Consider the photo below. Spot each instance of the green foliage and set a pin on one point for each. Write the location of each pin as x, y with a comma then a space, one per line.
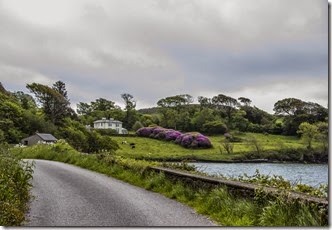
296, 111
102, 104
106, 132
228, 146
98, 143
226, 103
281, 213
130, 105
11, 117
15, 178
238, 121
54, 101
215, 127
309, 132
255, 143
318, 131
87, 141
279, 182
323, 135
32, 122
26, 101
183, 165
137, 126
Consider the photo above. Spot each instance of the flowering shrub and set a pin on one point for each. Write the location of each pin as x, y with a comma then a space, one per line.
178, 140
161, 135
187, 140
157, 130
145, 131
171, 135
203, 141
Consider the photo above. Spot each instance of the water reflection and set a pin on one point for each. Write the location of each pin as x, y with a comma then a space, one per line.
311, 174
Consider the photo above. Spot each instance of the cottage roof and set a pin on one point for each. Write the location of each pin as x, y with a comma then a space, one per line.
46, 136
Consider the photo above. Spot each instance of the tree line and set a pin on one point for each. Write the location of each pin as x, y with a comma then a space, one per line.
48, 110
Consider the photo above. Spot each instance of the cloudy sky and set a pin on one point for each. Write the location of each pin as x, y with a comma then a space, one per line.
265, 50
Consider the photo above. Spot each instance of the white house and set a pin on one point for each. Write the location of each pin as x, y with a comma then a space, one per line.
110, 124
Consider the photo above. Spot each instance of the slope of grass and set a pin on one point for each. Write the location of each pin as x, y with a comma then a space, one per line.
148, 148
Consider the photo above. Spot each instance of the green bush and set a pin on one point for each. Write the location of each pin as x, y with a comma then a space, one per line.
106, 132
14, 188
214, 127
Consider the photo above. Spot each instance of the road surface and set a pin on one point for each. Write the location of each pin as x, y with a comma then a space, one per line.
66, 195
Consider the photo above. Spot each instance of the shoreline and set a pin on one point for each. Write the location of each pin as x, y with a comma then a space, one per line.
228, 161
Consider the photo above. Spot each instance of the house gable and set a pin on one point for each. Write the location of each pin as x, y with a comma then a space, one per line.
108, 124
34, 139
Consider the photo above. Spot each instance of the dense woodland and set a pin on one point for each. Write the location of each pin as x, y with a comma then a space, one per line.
49, 111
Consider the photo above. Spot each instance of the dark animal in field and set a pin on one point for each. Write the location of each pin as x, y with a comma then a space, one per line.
133, 146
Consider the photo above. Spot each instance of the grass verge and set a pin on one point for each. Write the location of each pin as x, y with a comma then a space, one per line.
14, 188
217, 203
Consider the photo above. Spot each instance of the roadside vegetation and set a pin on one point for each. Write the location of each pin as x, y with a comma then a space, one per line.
217, 203
15, 178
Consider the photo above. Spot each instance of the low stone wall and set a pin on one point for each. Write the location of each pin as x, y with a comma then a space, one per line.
237, 187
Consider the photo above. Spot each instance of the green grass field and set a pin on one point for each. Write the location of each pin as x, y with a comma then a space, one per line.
149, 148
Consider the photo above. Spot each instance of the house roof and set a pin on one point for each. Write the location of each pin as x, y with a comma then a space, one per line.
46, 136
107, 121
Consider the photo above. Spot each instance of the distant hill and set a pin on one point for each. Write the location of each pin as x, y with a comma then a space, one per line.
148, 110
155, 109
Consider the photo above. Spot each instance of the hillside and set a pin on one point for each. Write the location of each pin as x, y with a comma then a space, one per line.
272, 147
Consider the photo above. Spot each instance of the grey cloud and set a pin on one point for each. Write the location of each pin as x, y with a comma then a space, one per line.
154, 49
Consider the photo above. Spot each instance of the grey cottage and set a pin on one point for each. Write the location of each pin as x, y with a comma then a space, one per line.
39, 137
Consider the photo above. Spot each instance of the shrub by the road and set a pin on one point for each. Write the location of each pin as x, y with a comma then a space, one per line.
15, 178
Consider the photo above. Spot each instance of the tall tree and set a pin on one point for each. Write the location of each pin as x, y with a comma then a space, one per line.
226, 103
205, 102
245, 101
25, 100
130, 105
177, 102
102, 104
84, 108
289, 106
175, 108
60, 87
54, 104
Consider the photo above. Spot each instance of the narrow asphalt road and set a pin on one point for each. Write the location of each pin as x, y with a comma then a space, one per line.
66, 195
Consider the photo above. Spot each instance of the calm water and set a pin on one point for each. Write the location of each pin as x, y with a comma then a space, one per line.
311, 174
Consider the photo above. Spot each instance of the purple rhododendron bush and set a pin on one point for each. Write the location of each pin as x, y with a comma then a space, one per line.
188, 140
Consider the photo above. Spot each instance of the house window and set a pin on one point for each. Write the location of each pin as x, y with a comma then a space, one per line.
117, 124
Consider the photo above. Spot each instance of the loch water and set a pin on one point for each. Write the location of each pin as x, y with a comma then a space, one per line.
310, 174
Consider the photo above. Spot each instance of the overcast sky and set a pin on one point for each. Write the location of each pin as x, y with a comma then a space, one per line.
265, 50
